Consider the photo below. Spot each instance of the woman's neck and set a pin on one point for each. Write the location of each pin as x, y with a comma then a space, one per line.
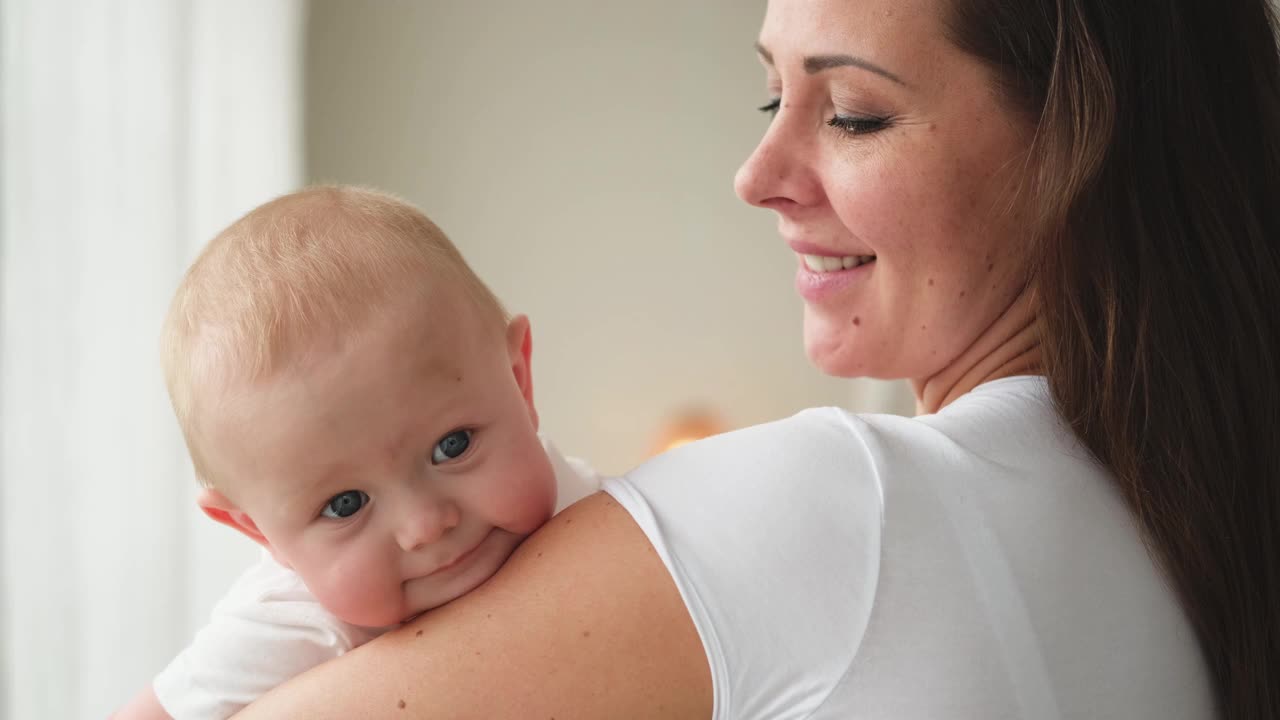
1009, 346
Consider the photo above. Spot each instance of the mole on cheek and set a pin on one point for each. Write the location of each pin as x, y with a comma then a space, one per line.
400, 705
857, 320
930, 282
991, 266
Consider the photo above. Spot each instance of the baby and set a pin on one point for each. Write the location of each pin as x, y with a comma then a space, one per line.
358, 403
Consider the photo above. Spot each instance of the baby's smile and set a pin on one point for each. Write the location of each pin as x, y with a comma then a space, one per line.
460, 560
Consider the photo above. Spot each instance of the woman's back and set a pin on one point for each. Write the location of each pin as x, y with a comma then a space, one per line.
987, 566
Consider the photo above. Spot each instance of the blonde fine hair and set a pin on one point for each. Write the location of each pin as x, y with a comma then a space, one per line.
309, 265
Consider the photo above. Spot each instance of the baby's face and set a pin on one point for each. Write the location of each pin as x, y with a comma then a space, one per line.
394, 472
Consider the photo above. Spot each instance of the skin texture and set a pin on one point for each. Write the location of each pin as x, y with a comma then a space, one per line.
584, 621
368, 416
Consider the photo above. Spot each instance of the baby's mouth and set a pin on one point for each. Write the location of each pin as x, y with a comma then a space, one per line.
460, 559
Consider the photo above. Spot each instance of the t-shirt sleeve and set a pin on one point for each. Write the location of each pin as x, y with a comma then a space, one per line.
772, 535
265, 630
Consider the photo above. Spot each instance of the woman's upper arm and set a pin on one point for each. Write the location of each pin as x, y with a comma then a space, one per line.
584, 621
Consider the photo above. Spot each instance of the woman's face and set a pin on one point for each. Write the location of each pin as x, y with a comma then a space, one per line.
892, 164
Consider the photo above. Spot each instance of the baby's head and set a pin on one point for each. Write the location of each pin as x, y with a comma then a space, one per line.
357, 401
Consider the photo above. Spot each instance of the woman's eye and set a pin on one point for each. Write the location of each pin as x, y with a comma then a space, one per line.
771, 107
451, 446
345, 504
858, 124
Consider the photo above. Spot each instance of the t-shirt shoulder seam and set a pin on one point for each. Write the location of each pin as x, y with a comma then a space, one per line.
831, 691
621, 489
857, 427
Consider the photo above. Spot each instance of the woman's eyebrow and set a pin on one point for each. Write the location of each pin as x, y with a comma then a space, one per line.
818, 63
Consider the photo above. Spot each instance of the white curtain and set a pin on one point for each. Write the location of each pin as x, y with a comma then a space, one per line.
130, 131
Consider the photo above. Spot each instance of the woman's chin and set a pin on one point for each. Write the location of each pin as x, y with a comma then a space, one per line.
837, 361
855, 348
834, 352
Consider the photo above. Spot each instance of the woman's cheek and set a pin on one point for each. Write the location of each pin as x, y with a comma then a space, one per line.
887, 210
914, 219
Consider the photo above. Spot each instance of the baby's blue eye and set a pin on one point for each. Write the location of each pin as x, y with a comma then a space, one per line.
451, 446
344, 505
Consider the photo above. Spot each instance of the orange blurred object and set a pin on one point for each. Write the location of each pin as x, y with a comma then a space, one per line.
686, 427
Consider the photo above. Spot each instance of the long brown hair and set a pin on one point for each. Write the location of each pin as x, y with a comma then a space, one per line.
1157, 152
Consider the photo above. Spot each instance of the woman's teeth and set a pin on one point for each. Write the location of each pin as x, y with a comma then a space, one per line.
825, 263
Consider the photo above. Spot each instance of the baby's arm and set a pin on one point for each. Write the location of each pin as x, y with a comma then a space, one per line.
143, 706
267, 629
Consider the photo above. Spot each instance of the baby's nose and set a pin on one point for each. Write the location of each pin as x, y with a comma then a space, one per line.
426, 522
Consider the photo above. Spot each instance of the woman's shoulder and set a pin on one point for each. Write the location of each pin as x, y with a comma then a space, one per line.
858, 551
775, 534
1001, 421
760, 465
772, 536
1011, 423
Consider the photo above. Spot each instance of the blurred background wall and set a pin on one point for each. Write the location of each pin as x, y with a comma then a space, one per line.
580, 153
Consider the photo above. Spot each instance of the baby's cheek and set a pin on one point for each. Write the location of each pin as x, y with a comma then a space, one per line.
527, 507
363, 593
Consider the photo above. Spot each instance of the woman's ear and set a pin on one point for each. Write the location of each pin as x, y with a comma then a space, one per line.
223, 510
520, 352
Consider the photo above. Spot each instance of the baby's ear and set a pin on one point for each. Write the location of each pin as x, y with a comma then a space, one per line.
221, 509
520, 352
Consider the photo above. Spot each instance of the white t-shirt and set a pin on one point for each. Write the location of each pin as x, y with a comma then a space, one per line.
975, 564
269, 628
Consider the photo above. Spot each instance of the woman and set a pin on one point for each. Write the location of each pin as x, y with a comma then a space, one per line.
1059, 219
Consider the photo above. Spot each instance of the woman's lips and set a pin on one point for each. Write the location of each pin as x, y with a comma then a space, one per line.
801, 247
818, 286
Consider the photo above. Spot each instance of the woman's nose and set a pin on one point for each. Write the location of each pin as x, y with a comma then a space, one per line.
425, 521
777, 174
